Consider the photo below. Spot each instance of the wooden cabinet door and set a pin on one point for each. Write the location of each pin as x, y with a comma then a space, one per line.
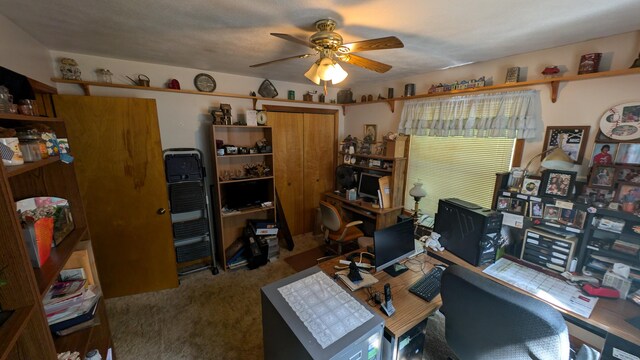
319, 163
120, 170
288, 132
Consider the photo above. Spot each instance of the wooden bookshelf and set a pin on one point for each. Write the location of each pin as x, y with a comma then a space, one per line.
12, 328
29, 166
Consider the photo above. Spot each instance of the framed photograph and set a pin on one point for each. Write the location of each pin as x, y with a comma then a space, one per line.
627, 174
512, 75
602, 176
603, 154
535, 209
628, 154
578, 221
602, 195
558, 183
503, 203
567, 216
551, 212
571, 139
628, 193
530, 185
518, 206
370, 132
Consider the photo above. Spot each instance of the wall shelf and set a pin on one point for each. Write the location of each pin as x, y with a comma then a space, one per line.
86, 87
553, 82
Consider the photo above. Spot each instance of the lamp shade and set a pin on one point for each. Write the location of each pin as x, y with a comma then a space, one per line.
326, 69
417, 191
557, 160
339, 74
312, 74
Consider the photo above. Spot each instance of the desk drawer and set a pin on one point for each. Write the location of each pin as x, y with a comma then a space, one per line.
547, 250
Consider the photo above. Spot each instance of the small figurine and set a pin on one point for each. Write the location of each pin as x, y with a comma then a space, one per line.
551, 71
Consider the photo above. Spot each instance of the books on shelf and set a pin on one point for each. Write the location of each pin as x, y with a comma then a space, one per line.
263, 227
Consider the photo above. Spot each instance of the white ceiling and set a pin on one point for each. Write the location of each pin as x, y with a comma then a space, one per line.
228, 36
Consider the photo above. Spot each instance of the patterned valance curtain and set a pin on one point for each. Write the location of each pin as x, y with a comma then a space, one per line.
504, 114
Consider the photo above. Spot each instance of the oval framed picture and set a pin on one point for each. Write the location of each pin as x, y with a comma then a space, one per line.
622, 122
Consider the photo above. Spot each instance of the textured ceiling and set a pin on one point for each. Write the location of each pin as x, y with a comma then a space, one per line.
228, 36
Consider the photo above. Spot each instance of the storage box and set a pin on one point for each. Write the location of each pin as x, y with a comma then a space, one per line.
616, 281
395, 148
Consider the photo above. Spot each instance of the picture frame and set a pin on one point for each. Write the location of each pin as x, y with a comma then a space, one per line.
370, 130
602, 176
579, 219
503, 203
513, 74
567, 216
558, 183
536, 209
627, 174
628, 193
518, 206
571, 139
599, 194
531, 185
603, 154
551, 212
628, 154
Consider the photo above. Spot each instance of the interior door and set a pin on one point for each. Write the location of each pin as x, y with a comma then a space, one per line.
120, 170
288, 132
319, 163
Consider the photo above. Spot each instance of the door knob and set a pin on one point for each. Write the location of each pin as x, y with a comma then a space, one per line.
161, 211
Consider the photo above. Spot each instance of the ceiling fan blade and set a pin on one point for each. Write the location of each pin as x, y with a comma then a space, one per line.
294, 39
365, 63
283, 59
389, 42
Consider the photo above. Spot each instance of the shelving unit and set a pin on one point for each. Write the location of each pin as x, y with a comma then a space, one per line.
230, 224
26, 334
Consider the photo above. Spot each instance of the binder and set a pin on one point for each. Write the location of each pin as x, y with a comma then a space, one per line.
385, 191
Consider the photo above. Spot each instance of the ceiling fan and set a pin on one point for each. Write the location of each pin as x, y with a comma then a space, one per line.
330, 47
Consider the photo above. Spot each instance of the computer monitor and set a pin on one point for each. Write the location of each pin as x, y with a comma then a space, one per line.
368, 186
392, 244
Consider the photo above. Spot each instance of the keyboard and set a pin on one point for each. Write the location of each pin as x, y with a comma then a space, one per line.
428, 287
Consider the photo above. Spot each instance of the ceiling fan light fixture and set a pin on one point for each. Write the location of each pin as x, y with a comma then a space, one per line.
312, 73
326, 69
339, 74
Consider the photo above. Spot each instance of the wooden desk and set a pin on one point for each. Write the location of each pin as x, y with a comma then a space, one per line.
382, 217
410, 309
608, 317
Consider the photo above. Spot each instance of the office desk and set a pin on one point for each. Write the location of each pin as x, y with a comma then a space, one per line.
382, 217
410, 309
608, 317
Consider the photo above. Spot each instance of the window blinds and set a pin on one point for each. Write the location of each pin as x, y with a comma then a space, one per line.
458, 167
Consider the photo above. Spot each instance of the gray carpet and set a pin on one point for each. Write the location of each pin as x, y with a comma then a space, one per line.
213, 317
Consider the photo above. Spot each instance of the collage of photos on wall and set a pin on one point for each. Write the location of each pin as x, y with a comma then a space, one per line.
539, 210
614, 178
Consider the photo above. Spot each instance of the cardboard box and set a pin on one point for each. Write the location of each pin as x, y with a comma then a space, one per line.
395, 148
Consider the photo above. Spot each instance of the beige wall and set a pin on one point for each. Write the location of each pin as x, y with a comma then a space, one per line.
579, 102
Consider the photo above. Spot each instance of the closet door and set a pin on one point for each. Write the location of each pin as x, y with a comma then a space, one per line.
120, 170
288, 133
319, 163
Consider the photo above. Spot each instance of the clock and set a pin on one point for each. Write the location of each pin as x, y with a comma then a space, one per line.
261, 118
204, 82
622, 122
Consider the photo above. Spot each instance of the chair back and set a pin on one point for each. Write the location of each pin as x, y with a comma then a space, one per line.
330, 216
486, 320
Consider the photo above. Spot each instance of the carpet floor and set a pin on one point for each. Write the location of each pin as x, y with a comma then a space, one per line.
214, 317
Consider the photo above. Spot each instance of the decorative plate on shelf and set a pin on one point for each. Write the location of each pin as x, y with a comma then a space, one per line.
261, 118
622, 122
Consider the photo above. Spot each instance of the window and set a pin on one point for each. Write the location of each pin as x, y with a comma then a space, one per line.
458, 167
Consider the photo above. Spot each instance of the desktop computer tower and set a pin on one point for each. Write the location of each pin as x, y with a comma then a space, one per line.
468, 231
288, 322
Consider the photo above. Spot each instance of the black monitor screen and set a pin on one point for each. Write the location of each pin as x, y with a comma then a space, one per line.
245, 194
368, 186
393, 244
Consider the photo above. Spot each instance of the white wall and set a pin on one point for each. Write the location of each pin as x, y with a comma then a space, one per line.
579, 102
23, 54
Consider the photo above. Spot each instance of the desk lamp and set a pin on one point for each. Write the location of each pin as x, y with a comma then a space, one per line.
417, 192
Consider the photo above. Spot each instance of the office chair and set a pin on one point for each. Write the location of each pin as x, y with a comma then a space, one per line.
335, 230
486, 320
